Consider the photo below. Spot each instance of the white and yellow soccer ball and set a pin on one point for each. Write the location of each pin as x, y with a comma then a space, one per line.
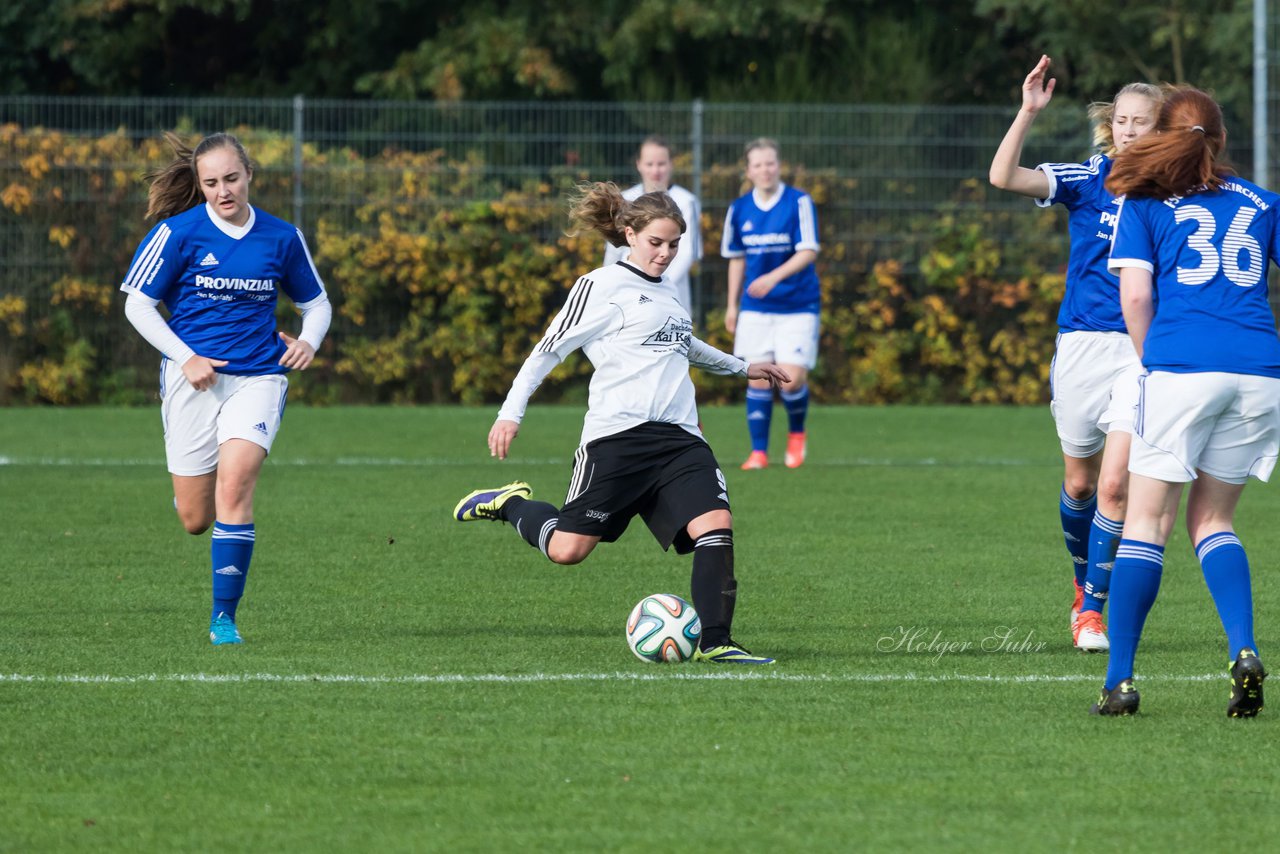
663, 627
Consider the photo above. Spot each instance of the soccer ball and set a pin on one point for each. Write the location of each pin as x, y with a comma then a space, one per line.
663, 627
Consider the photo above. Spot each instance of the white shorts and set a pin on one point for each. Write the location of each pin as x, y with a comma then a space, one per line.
196, 423
1094, 382
1225, 425
785, 339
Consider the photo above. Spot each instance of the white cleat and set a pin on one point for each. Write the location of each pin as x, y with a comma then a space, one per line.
1090, 633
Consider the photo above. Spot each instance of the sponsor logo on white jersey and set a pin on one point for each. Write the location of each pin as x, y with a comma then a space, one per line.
208, 260
674, 334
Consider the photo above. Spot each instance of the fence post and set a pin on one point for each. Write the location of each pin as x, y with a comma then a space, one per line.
298, 105
695, 145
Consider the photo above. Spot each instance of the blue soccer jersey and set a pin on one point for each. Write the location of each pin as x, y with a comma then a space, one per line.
767, 235
220, 283
1092, 298
1208, 254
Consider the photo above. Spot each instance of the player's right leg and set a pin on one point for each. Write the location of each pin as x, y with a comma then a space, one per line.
754, 341
1082, 377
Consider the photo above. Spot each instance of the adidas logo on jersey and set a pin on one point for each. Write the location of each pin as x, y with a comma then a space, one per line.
208, 261
644, 299
261, 427
228, 570
747, 226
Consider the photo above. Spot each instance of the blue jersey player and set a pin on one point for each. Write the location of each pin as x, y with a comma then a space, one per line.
1192, 248
771, 241
1094, 373
218, 265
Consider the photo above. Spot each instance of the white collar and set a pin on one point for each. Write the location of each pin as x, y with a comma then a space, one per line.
755, 196
235, 232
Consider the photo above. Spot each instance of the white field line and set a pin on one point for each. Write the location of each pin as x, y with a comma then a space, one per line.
428, 462
663, 674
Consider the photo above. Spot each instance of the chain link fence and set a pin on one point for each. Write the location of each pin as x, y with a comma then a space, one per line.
893, 170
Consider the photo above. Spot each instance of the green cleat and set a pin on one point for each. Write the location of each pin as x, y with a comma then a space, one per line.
487, 503
730, 653
1246, 685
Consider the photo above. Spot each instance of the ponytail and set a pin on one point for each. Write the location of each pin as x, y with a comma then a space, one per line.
600, 207
175, 188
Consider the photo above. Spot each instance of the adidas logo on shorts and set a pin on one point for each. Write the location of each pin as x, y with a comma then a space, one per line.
261, 427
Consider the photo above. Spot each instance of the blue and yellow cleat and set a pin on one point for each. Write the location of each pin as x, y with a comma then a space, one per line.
1246, 685
222, 629
487, 503
730, 653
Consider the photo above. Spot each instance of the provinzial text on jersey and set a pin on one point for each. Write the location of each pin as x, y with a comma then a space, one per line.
766, 239
219, 283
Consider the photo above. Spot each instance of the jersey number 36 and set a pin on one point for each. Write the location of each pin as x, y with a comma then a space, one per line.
1235, 243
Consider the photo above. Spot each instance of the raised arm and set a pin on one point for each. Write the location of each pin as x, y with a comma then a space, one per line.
1006, 171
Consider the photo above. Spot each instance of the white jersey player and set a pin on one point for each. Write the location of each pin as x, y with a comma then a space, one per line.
653, 162
642, 453
218, 267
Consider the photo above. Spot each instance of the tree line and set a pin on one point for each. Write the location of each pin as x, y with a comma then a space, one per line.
817, 51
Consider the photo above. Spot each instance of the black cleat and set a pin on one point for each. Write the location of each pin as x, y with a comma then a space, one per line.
1119, 701
1246, 685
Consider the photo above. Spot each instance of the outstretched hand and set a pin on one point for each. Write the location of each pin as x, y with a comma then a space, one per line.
500, 437
297, 354
1036, 93
768, 371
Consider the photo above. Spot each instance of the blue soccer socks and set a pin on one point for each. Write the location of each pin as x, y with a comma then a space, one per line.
1226, 572
759, 417
1135, 581
1104, 539
797, 405
1077, 517
231, 550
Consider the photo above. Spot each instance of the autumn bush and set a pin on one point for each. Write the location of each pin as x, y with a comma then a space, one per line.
442, 280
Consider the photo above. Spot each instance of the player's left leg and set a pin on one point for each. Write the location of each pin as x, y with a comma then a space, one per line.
231, 547
797, 349
795, 399
1210, 516
247, 425
714, 590
1104, 539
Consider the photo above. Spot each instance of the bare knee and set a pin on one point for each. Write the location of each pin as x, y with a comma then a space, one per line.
1113, 494
195, 523
567, 555
1080, 477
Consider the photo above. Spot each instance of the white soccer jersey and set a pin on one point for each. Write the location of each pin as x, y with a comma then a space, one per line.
690, 252
638, 336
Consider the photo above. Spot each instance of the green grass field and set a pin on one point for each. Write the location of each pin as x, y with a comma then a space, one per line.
409, 683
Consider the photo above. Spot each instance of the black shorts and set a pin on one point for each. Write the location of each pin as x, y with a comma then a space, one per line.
660, 472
